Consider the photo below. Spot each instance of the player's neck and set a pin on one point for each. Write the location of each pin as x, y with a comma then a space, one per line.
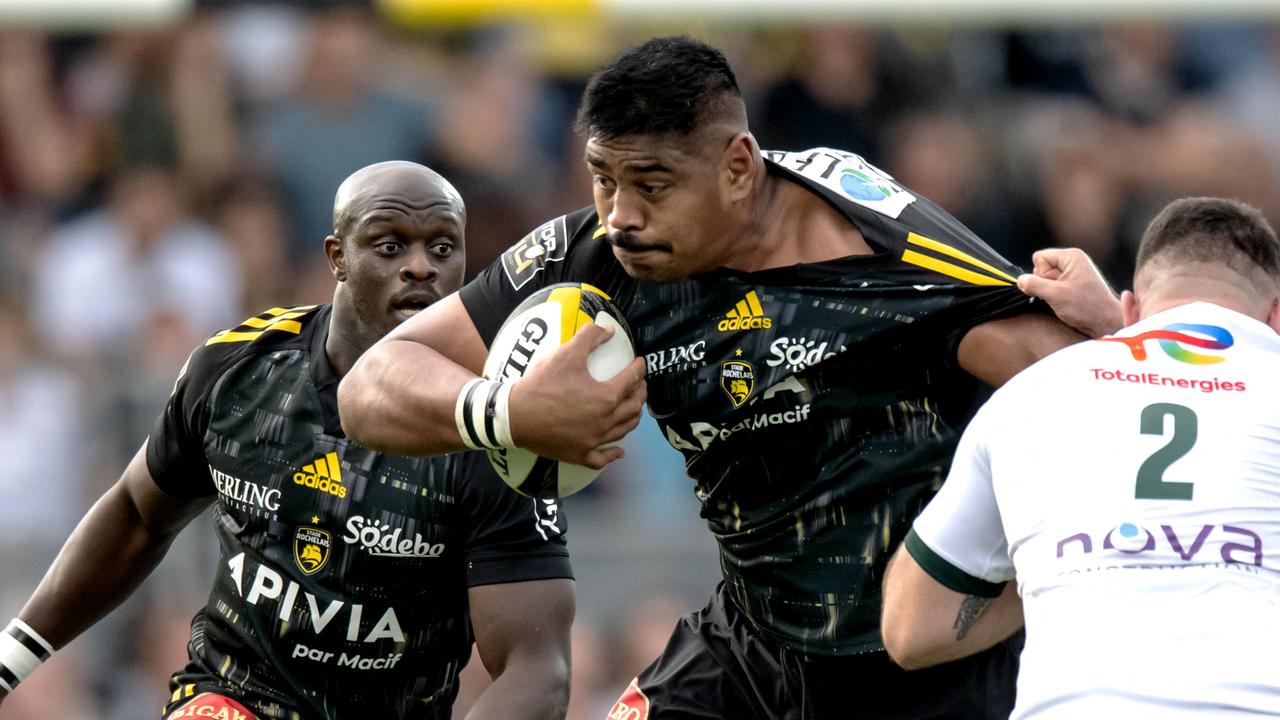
344, 345
797, 226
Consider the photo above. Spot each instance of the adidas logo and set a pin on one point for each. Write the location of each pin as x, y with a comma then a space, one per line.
746, 315
324, 474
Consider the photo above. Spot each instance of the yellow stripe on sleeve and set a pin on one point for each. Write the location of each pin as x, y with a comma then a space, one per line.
949, 251
949, 269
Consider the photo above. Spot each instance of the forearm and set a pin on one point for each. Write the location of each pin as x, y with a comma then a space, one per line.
400, 397
925, 624
107, 556
528, 691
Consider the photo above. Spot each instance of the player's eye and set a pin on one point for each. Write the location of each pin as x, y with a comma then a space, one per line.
443, 250
651, 189
604, 183
386, 247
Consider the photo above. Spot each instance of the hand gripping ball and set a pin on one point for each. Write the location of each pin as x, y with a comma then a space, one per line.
543, 322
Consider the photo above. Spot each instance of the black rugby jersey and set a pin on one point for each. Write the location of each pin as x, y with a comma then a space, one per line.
817, 406
342, 587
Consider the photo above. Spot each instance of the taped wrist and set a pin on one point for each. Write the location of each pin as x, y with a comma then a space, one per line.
21, 652
481, 414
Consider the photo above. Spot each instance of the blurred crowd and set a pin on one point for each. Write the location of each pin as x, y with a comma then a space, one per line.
158, 185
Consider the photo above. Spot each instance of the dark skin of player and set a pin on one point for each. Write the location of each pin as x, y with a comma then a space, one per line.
673, 206
398, 248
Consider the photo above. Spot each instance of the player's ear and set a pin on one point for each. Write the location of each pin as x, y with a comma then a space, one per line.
335, 252
1273, 318
740, 165
1129, 309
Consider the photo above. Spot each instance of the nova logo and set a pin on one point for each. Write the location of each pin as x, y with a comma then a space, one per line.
1174, 337
746, 315
324, 475
1234, 544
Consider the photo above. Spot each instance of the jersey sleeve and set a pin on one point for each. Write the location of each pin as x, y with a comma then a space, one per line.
959, 539
175, 448
944, 256
510, 537
568, 248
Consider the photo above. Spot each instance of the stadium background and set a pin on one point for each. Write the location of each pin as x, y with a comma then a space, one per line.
167, 168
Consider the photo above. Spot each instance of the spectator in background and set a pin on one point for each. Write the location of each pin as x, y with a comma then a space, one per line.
42, 146
42, 489
835, 97
1135, 134
139, 255
487, 141
337, 121
946, 157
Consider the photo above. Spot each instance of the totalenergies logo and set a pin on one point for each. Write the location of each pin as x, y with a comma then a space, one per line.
1174, 338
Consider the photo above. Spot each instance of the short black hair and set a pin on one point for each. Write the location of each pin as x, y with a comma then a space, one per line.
664, 86
1212, 230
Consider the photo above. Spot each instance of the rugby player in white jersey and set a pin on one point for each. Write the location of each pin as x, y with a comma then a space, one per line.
1131, 486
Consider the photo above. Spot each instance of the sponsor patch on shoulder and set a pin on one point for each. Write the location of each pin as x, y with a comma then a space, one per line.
849, 175
633, 705
548, 243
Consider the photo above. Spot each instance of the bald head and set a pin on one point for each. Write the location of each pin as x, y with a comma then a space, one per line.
391, 179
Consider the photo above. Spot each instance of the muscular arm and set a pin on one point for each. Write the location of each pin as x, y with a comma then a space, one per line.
522, 633
113, 549
400, 395
997, 350
925, 623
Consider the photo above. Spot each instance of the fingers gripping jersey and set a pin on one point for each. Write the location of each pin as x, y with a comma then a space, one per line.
817, 406
342, 588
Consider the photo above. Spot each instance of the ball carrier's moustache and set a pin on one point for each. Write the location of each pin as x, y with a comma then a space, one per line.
628, 241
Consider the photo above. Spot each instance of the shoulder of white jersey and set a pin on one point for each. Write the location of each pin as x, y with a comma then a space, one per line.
548, 243
847, 176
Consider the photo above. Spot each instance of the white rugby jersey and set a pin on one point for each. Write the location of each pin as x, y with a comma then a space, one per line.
1132, 485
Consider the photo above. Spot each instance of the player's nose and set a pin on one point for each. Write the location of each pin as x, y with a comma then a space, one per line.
419, 266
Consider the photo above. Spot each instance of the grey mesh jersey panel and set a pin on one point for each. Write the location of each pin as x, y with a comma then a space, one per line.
342, 587
817, 406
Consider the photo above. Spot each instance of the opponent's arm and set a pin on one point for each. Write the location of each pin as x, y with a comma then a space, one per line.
114, 548
525, 647
400, 395
997, 350
1073, 286
925, 623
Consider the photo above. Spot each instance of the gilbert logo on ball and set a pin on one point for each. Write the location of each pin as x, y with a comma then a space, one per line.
546, 320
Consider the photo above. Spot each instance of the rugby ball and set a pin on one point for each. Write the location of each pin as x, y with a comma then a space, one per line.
546, 320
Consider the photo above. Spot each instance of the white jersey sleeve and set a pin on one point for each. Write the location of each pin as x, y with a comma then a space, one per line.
959, 539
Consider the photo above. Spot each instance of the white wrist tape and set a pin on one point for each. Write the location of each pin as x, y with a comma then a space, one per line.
21, 652
481, 414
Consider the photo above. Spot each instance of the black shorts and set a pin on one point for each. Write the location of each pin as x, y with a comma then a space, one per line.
717, 666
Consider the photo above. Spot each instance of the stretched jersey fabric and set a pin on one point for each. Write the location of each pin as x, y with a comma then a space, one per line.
342, 588
817, 406
1133, 486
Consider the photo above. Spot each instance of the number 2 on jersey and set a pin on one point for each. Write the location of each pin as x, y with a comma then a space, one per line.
1151, 484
